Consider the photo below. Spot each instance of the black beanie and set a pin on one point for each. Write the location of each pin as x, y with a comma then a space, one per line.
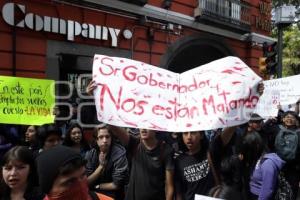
49, 162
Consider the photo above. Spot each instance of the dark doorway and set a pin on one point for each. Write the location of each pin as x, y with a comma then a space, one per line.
73, 69
194, 51
70, 68
194, 56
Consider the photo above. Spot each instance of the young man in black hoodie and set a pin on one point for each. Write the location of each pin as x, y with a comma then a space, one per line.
107, 166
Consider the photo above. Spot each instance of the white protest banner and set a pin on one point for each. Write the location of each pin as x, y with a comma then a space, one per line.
201, 197
134, 94
283, 91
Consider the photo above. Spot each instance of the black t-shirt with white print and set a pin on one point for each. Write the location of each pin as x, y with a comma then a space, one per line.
193, 175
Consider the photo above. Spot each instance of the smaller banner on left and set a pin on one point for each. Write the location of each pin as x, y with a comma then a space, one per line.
26, 100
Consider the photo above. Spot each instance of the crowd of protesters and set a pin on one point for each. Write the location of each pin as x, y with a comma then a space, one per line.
259, 160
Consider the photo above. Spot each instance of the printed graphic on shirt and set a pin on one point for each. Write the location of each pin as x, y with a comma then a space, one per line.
196, 171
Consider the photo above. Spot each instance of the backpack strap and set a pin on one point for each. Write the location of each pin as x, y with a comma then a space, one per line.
216, 191
213, 170
283, 128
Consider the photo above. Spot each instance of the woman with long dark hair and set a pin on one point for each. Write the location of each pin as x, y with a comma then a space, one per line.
261, 169
74, 139
230, 188
30, 137
19, 179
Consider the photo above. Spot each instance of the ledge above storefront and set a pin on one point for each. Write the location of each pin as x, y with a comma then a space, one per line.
258, 39
156, 14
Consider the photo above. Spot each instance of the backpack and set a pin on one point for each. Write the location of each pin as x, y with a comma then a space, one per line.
286, 143
284, 190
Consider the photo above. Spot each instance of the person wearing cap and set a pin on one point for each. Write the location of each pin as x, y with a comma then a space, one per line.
255, 123
62, 176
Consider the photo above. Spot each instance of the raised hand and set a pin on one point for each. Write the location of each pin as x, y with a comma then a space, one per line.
91, 87
260, 88
279, 107
102, 158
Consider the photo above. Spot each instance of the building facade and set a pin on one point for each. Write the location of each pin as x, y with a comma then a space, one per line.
57, 39
43, 38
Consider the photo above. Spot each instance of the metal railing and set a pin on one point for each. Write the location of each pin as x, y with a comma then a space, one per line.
230, 11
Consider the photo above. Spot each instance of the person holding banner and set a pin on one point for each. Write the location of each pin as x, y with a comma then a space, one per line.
145, 147
195, 169
152, 165
256, 124
195, 172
